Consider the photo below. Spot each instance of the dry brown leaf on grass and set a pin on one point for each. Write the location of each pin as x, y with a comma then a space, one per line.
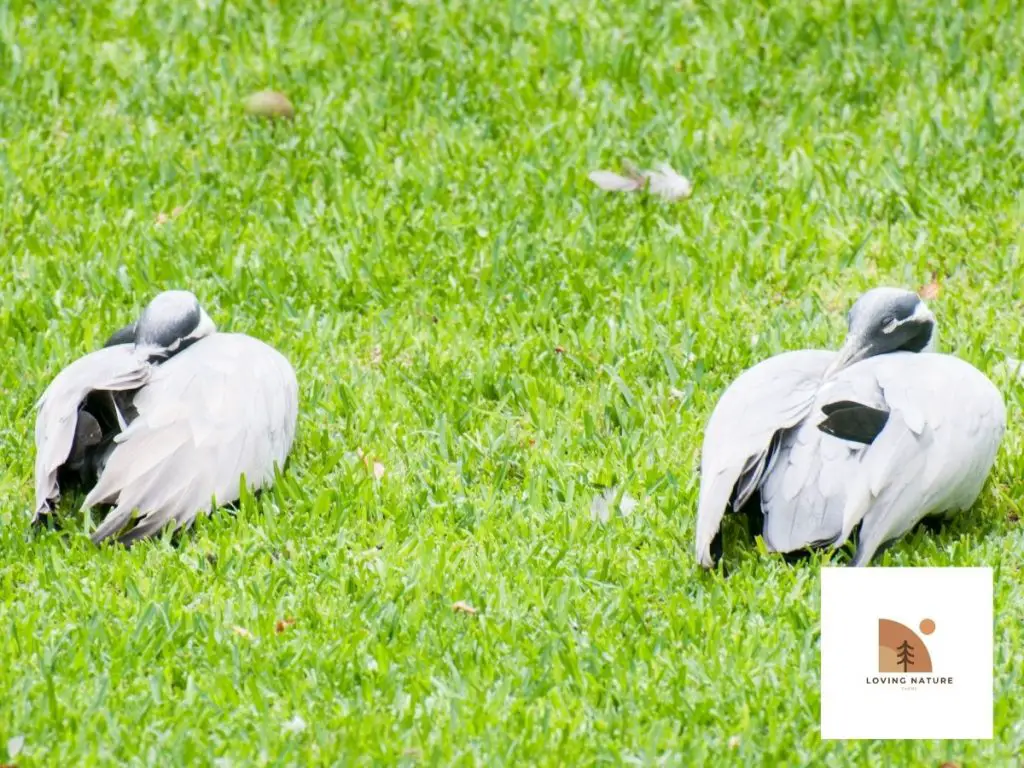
372, 465
930, 291
283, 624
272, 104
162, 218
461, 606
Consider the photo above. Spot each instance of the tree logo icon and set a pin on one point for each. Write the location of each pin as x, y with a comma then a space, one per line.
901, 649
904, 655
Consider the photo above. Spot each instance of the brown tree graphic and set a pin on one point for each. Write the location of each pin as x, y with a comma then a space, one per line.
904, 655
900, 649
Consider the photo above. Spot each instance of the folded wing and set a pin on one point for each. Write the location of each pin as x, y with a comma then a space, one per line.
223, 409
113, 369
931, 456
934, 454
803, 496
773, 396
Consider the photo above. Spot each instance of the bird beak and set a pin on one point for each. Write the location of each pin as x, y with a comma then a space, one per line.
854, 350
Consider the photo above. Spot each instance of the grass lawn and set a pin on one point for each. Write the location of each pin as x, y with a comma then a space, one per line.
468, 311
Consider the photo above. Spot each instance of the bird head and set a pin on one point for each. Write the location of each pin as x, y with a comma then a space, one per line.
170, 322
885, 320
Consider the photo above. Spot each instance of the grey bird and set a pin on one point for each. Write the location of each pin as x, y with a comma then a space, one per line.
164, 421
883, 434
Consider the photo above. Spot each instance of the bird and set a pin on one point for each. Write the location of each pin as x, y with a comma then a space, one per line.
883, 434
164, 421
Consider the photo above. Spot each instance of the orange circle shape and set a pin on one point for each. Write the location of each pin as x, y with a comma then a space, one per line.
927, 626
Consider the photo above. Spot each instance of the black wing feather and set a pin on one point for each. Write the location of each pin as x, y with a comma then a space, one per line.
853, 421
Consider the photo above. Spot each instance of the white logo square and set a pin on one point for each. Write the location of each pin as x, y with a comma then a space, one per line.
906, 653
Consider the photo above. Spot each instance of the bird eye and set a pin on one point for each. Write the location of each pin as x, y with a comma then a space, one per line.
889, 324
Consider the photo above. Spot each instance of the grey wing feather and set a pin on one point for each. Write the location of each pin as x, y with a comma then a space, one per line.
946, 421
772, 396
803, 497
933, 456
223, 409
113, 369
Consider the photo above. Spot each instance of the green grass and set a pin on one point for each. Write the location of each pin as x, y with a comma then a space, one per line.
430, 201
